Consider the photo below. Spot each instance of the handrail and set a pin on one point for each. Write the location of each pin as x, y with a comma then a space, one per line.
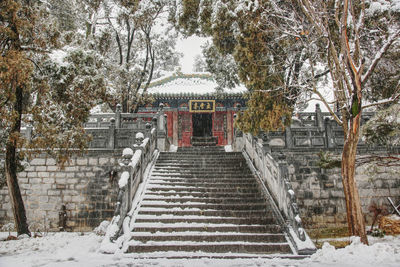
131, 173
272, 175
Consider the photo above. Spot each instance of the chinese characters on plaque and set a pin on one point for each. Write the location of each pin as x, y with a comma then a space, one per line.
202, 105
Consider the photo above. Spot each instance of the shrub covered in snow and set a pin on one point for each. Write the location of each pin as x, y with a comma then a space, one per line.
102, 228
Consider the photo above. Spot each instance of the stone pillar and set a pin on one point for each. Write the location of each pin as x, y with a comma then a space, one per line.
161, 120
28, 136
330, 142
111, 134
319, 122
288, 137
118, 116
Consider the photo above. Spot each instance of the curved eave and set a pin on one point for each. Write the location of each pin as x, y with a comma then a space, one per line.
198, 96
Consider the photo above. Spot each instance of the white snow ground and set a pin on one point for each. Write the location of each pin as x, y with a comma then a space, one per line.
74, 249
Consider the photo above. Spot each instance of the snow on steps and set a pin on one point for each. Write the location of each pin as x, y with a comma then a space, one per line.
203, 202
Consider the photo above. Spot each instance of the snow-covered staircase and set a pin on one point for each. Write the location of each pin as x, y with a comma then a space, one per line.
203, 201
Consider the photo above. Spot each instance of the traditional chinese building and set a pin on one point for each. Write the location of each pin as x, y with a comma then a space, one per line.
196, 113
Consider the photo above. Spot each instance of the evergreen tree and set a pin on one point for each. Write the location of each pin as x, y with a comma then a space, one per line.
44, 86
282, 50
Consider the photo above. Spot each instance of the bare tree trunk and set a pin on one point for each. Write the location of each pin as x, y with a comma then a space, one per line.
355, 218
11, 169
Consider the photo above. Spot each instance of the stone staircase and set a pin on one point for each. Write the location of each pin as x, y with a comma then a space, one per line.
204, 201
204, 141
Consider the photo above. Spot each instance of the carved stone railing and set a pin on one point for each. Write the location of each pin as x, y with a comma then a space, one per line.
132, 166
272, 175
118, 130
310, 130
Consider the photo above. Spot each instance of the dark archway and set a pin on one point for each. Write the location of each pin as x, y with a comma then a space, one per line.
202, 124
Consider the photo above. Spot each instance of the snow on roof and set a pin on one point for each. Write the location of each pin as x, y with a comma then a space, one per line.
194, 83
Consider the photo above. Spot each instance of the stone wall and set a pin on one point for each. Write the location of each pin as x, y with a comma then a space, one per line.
85, 186
320, 194
317, 192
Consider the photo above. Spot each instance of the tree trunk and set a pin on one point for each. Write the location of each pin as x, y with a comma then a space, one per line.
11, 168
17, 203
355, 218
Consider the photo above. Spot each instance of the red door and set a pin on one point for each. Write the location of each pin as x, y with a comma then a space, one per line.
219, 127
184, 128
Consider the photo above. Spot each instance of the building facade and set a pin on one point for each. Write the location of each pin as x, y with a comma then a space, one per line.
196, 113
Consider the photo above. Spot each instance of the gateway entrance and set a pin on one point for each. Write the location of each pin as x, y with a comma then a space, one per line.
202, 124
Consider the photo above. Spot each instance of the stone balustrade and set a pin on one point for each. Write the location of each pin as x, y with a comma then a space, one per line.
287, 163
310, 130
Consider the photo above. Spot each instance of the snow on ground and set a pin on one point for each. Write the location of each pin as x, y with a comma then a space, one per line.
75, 249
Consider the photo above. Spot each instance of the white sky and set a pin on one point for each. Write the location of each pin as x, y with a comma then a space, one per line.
190, 47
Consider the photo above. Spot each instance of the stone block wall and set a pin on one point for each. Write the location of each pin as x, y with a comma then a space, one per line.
85, 186
320, 194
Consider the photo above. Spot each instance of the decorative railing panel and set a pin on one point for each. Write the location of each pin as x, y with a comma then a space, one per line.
273, 177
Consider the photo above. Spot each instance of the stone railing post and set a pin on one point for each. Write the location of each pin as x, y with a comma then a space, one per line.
330, 142
138, 143
148, 130
292, 208
118, 111
111, 134
161, 120
29, 129
288, 137
319, 121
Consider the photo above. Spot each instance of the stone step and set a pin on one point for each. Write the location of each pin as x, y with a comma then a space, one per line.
200, 151
202, 199
201, 157
197, 212
211, 177
213, 247
198, 161
205, 148
239, 206
200, 167
206, 200
206, 228
192, 189
201, 171
202, 237
172, 180
203, 194
205, 174
176, 177
207, 185
202, 219
201, 154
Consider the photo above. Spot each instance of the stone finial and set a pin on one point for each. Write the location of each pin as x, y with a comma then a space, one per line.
127, 155
139, 138
118, 108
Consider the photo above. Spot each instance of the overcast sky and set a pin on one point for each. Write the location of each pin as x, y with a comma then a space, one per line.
190, 47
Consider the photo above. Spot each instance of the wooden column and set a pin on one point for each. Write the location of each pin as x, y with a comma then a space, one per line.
175, 127
229, 126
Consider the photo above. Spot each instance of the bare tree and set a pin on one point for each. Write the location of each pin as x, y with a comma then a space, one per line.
340, 25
